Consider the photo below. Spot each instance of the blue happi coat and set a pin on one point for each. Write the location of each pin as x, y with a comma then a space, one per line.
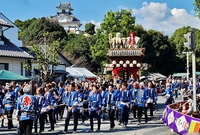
152, 94
168, 93
48, 101
40, 99
1, 106
113, 100
9, 100
85, 96
133, 95
80, 98
141, 101
95, 101
117, 94
17, 88
125, 98
27, 107
60, 94
72, 100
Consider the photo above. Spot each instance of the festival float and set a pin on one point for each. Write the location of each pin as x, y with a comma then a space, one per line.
175, 117
125, 55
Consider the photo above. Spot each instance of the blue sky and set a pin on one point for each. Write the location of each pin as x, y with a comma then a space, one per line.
162, 15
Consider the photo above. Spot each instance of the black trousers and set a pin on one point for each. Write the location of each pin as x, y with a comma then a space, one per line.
176, 93
61, 111
75, 116
124, 114
94, 114
140, 112
54, 115
43, 117
84, 114
111, 114
9, 116
26, 127
134, 111
168, 101
150, 106
36, 124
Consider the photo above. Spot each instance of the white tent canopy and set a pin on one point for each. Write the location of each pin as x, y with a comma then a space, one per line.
80, 72
156, 76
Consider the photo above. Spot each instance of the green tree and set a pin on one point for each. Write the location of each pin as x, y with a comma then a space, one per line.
90, 28
179, 40
197, 7
45, 60
78, 47
32, 31
113, 22
159, 52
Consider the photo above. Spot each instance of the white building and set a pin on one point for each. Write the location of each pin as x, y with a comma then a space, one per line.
11, 56
59, 71
66, 19
11, 34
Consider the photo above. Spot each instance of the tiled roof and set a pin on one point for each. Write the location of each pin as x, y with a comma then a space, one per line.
60, 55
11, 50
64, 6
4, 23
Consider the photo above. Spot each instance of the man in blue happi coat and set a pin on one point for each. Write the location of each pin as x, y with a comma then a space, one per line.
110, 100
95, 104
133, 94
80, 100
168, 94
117, 91
40, 99
1, 104
72, 103
60, 95
141, 99
9, 102
125, 103
152, 97
27, 111
47, 108
85, 112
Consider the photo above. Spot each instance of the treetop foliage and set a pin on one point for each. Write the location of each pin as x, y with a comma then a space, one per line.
33, 30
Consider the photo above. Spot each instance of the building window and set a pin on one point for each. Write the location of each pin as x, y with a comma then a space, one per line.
3, 66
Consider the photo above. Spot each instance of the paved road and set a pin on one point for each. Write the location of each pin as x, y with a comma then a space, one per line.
154, 127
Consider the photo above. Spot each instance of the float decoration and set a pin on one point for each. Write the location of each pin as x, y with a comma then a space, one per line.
125, 55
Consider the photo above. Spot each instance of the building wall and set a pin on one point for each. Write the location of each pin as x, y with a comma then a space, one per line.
14, 65
11, 33
73, 27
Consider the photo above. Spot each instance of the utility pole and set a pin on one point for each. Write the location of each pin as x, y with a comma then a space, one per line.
190, 44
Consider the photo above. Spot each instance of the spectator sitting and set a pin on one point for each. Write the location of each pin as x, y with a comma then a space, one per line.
190, 103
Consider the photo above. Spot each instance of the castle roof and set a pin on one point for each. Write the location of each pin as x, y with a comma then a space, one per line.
65, 6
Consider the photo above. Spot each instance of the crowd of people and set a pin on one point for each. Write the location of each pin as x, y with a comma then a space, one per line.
82, 100
183, 88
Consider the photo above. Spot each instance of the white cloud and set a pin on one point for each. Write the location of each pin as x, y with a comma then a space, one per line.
158, 16
122, 7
